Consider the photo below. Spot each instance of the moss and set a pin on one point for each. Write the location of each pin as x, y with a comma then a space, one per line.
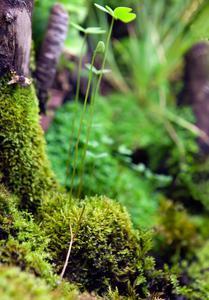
21, 240
106, 250
176, 233
196, 182
198, 275
24, 167
15, 285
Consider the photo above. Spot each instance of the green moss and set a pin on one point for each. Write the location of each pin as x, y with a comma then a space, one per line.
106, 250
196, 182
21, 240
176, 233
15, 285
24, 167
198, 273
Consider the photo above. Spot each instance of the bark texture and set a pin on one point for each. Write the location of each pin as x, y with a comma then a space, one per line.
196, 88
50, 52
15, 36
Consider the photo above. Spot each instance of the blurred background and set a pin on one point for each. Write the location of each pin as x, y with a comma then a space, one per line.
148, 143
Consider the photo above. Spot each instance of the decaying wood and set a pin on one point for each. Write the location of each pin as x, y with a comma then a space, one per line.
15, 36
196, 88
50, 52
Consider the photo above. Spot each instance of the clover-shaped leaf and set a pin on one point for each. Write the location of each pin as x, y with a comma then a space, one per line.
124, 14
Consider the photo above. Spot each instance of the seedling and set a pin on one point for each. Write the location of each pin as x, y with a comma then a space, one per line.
125, 15
98, 50
86, 31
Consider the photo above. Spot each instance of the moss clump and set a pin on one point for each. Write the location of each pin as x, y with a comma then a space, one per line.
21, 240
106, 250
15, 285
196, 182
177, 235
24, 167
199, 274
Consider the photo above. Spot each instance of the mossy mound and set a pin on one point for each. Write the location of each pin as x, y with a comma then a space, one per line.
106, 251
16, 285
199, 275
24, 167
196, 182
21, 240
176, 233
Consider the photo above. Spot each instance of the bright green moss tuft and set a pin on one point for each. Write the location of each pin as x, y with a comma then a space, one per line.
24, 167
106, 250
21, 240
198, 274
16, 285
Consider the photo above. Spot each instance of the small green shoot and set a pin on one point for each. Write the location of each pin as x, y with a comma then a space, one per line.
96, 71
88, 30
124, 14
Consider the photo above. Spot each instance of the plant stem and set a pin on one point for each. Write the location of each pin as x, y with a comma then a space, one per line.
68, 253
92, 101
81, 122
80, 68
67, 173
86, 146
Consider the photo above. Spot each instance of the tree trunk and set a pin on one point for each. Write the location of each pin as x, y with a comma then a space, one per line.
196, 88
15, 36
50, 52
24, 166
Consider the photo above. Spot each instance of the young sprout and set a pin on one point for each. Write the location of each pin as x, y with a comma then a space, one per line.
86, 32
92, 69
125, 15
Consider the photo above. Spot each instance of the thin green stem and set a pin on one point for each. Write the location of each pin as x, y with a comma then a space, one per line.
86, 145
81, 122
67, 173
80, 68
93, 97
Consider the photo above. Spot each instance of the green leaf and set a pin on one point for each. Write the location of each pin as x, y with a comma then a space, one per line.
103, 72
102, 8
91, 68
94, 30
124, 14
96, 71
78, 27
111, 12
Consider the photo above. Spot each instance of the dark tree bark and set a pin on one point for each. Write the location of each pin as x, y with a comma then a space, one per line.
15, 36
196, 89
50, 52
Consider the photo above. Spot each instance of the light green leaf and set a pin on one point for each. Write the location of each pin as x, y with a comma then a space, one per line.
111, 12
96, 71
78, 27
102, 8
94, 30
124, 14
105, 71
91, 68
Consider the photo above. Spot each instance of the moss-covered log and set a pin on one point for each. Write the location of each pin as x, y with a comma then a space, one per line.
24, 166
